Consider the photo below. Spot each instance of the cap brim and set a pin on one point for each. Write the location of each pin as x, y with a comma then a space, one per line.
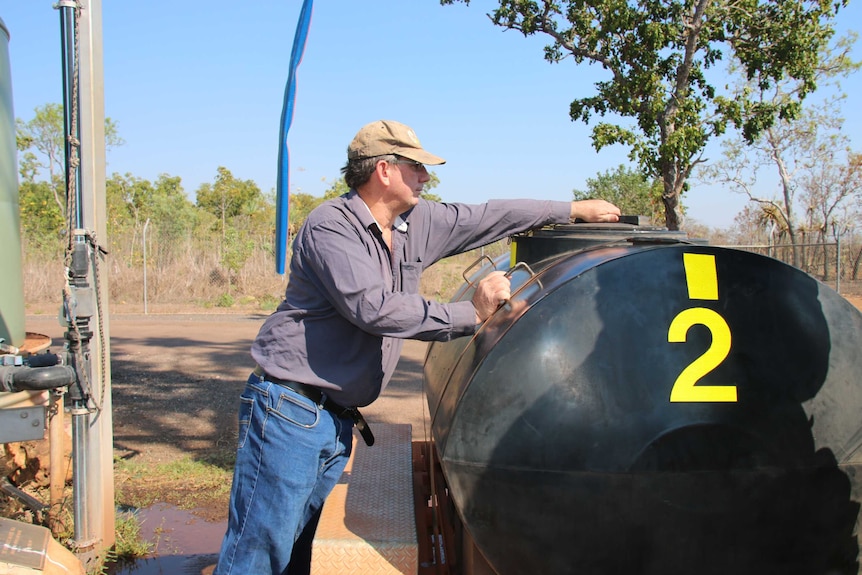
420, 155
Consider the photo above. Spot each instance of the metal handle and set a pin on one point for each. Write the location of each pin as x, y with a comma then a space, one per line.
473, 265
508, 274
521, 265
512, 270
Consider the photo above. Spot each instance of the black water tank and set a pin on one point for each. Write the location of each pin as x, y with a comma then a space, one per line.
655, 406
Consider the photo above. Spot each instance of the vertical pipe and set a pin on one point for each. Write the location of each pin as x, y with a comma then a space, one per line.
68, 51
77, 309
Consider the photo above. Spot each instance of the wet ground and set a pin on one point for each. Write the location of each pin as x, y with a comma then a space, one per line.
183, 543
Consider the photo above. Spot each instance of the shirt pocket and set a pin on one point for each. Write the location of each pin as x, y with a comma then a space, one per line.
411, 273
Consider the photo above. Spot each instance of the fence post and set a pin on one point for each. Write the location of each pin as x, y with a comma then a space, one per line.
838, 263
147, 223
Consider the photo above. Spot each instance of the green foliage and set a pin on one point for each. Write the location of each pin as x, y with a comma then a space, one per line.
161, 206
338, 188
42, 222
225, 300
657, 56
230, 220
42, 135
300, 206
629, 190
236, 249
184, 482
268, 302
40, 142
430, 185
228, 197
130, 544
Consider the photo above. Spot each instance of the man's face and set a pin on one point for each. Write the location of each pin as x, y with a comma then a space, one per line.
409, 179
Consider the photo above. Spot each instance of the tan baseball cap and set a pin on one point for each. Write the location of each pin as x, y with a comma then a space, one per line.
388, 137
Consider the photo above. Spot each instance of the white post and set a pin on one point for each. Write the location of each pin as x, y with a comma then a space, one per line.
99, 437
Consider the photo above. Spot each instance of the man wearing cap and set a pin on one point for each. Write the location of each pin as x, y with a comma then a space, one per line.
333, 343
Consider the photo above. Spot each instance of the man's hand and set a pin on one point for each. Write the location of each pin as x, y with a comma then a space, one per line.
594, 211
492, 290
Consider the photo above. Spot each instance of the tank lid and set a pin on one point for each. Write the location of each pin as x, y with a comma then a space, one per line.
4, 28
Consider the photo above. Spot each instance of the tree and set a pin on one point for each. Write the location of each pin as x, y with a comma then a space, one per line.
228, 197
300, 206
627, 189
42, 222
658, 54
132, 201
817, 173
41, 141
43, 135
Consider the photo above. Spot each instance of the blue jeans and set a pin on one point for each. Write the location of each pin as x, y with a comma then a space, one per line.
291, 453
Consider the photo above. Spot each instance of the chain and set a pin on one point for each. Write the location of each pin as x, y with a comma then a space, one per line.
97, 250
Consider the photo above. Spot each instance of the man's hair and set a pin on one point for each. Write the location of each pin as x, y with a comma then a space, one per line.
356, 172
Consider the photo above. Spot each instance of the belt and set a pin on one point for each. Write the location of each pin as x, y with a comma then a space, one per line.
319, 397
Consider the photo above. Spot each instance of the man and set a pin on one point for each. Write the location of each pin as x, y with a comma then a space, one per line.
335, 340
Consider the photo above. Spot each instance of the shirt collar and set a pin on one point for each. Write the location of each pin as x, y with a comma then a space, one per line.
400, 223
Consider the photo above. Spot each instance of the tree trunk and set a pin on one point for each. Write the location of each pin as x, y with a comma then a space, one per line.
670, 198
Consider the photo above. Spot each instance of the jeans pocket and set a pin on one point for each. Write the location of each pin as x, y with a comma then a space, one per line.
246, 408
296, 409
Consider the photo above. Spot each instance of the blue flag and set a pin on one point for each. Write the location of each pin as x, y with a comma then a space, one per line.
282, 197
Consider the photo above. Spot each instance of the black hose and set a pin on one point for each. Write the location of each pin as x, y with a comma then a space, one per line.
44, 360
18, 378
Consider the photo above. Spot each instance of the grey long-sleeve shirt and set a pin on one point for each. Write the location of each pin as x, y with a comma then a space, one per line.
350, 302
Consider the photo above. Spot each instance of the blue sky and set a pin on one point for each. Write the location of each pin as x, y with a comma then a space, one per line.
197, 85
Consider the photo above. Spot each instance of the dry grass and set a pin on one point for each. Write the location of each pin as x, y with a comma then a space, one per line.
199, 281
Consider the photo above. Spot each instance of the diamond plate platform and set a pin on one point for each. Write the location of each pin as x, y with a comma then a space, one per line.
368, 523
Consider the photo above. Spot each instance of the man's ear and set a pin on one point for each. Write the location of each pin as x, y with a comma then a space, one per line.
383, 171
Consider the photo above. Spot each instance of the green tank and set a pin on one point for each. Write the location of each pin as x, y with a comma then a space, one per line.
11, 281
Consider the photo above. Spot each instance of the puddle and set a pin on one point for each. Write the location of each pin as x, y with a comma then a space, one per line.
183, 543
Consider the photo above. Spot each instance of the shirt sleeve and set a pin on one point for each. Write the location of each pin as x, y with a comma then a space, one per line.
358, 285
451, 228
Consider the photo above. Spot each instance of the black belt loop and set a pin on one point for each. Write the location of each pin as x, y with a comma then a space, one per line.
319, 397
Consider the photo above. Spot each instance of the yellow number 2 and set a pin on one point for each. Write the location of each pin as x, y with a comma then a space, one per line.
684, 388
702, 280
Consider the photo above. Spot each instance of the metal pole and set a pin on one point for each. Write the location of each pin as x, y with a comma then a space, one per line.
100, 471
85, 298
68, 45
77, 309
